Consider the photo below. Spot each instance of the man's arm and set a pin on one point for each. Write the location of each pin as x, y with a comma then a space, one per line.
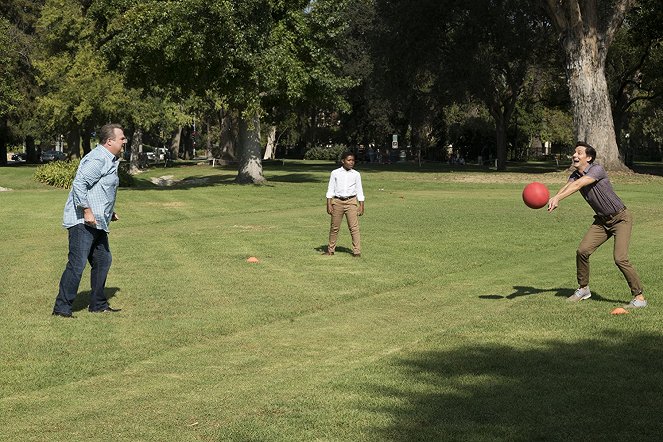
87, 175
569, 189
360, 195
330, 193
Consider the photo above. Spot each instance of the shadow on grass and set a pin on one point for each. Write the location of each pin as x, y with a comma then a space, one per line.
431, 167
608, 387
301, 172
82, 300
338, 250
296, 178
649, 168
520, 290
182, 183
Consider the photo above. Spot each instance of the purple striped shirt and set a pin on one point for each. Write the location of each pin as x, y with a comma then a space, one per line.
600, 195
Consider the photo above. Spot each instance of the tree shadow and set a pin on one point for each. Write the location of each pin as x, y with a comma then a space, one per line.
296, 178
82, 300
519, 290
183, 183
609, 387
648, 168
439, 167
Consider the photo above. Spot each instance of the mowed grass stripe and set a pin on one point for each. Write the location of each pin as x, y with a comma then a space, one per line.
340, 338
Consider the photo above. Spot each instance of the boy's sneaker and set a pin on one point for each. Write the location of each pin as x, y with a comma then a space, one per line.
636, 303
580, 294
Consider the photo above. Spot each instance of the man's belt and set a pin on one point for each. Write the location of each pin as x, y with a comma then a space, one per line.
610, 216
345, 198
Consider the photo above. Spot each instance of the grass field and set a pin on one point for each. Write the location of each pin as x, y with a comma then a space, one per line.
452, 326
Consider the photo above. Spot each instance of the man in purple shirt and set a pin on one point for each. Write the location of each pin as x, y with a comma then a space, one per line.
611, 219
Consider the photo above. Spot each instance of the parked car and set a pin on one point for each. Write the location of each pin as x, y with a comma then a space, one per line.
20, 156
52, 155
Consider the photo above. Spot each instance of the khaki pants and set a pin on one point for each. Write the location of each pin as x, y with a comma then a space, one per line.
349, 209
600, 231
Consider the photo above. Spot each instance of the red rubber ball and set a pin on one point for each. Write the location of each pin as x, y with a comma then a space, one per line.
536, 195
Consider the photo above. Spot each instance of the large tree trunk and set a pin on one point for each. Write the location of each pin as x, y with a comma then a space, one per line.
175, 143
250, 164
74, 143
592, 115
501, 111
136, 148
586, 36
87, 140
229, 135
31, 150
3, 141
270, 148
208, 139
186, 143
500, 143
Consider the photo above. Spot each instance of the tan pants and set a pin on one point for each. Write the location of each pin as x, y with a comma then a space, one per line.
600, 231
349, 209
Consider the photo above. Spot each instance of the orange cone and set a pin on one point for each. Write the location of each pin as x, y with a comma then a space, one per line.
252, 259
619, 311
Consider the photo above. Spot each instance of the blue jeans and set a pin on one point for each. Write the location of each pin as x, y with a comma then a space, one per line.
85, 244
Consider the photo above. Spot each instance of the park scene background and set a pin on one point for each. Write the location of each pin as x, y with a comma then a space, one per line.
452, 325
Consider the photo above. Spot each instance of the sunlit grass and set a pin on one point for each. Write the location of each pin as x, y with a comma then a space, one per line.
452, 325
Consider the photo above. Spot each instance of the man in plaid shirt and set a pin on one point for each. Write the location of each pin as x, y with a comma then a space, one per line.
87, 215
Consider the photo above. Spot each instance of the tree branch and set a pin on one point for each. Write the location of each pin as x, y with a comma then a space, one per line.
566, 16
554, 9
619, 12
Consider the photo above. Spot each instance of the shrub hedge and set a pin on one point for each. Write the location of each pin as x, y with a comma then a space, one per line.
331, 153
61, 174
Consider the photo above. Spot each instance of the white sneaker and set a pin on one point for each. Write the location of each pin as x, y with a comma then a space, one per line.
580, 294
636, 303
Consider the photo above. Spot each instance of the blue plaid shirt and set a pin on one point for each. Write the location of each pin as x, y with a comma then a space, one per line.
95, 186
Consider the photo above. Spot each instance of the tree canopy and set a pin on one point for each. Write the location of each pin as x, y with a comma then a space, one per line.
466, 78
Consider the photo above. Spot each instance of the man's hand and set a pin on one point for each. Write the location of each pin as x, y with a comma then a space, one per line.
330, 208
114, 217
88, 218
553, 203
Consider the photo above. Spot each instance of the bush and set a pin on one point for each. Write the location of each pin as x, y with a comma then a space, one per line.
58, 173
331, 153
61, 174
126, 179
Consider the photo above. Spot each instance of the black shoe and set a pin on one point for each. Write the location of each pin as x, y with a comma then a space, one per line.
106, 310
64, 315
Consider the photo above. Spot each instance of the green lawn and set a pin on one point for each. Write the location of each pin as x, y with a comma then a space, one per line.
452, 325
